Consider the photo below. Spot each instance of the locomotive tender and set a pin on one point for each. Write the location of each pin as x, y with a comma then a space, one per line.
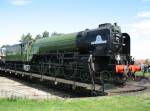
86, 57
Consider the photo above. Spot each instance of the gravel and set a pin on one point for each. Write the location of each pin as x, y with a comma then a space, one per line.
10, 88
14, 88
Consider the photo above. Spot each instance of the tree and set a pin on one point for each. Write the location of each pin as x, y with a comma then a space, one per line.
146, 61
55, 33
26, 38
45, 34
38, 36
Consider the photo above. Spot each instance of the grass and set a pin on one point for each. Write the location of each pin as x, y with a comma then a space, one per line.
111, 103
141, 74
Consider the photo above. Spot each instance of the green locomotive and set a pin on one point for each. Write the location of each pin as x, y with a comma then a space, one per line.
81, 56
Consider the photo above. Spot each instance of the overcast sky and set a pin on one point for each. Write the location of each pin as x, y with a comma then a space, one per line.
66, 16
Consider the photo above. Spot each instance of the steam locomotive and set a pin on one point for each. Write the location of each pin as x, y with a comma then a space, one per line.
86, 57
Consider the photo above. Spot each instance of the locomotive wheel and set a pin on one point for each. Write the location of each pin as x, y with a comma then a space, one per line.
84, 77
107, 76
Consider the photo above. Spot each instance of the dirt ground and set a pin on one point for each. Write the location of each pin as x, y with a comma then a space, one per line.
11, 88
20, 89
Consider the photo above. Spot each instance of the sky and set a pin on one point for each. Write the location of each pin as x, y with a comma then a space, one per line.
19, 17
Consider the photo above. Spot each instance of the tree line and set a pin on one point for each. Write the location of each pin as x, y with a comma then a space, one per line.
28, 37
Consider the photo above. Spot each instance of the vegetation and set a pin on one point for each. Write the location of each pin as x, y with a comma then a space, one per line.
146, 61
45, 34
141, 74
38, 36
26, 38
111, 103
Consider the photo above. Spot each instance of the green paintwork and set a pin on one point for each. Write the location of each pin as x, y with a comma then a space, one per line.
64, 42
13, 53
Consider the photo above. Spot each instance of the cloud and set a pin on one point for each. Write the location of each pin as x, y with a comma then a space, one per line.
141, 28
20, 2
144, 14
140, 38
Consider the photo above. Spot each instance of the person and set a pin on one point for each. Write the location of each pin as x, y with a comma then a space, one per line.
148, 68
145, 69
